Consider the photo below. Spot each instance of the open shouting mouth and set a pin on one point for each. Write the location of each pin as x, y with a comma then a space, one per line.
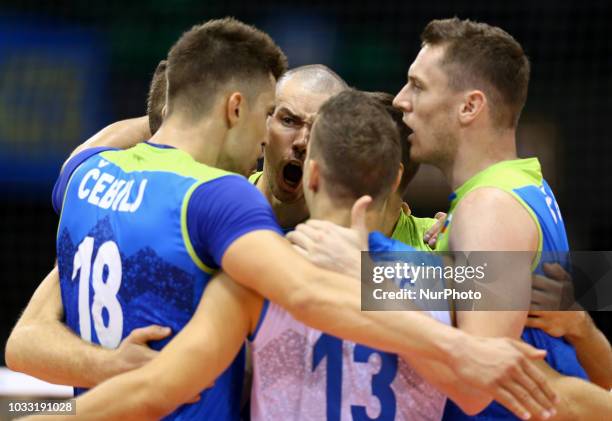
292, 174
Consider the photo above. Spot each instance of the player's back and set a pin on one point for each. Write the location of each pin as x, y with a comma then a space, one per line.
302, 373
126, 260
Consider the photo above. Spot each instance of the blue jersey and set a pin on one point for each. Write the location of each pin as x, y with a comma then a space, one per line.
522, 178
141, 232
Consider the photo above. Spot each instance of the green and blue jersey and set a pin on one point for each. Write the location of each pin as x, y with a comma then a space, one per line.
522, 179
141, 233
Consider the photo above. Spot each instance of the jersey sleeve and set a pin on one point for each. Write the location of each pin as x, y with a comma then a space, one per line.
57, 197
378, 242
221, 211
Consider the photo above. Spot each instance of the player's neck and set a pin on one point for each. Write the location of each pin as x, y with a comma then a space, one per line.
288, 215
328, 210
339, 216
192, 138
479, 153
392, 213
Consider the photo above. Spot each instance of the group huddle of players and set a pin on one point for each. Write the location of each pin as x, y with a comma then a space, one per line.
175, 273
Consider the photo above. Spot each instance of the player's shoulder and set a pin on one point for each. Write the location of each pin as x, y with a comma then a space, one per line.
254, 178
85, 155
72, 164
488, 206
490, 209
204, 172
229, 193
164, 159
232, 186
485, 198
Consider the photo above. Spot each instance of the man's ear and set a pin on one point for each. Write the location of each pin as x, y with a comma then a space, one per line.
234, 108
398, 179
314, 177
473, 104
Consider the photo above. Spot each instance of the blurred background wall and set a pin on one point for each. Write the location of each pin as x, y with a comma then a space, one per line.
69, 68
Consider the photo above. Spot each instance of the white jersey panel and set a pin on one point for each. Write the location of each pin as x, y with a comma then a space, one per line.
299, 373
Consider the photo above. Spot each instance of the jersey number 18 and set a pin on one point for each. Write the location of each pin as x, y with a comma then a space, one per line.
105, 291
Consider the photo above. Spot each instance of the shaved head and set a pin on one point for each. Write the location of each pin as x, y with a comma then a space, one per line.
299, 94
315, 78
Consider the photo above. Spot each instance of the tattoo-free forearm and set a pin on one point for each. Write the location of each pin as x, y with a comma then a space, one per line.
579, 399
52, 352
331, 302
594, 352
42, 346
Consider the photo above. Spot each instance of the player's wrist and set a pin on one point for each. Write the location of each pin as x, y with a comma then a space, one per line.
105, 363
581, 328
448, 347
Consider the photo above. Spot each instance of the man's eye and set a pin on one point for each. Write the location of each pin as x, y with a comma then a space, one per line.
413, 85
288, 121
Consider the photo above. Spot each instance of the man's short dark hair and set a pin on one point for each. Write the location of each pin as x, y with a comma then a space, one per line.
357, 145
485, 57
410, 166
157, 97
212, 54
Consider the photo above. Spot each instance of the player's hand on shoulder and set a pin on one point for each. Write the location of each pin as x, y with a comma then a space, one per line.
431, 236
133, 352
503, 369
332, 246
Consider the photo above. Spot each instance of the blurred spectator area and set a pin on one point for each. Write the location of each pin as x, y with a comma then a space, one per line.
52, 85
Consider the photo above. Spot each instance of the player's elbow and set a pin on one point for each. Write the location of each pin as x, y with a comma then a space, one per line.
150, 402
473, 405
10, 356
154, 409
299, 302
304, 303
13, 354
470, 401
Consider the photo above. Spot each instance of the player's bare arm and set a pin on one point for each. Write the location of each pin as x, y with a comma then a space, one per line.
580, 400
322, 299
227, 313
66, 358
121, 134
502, 225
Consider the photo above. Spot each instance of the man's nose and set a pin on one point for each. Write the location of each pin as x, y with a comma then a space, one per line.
301, 140
266, 138
402, 101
